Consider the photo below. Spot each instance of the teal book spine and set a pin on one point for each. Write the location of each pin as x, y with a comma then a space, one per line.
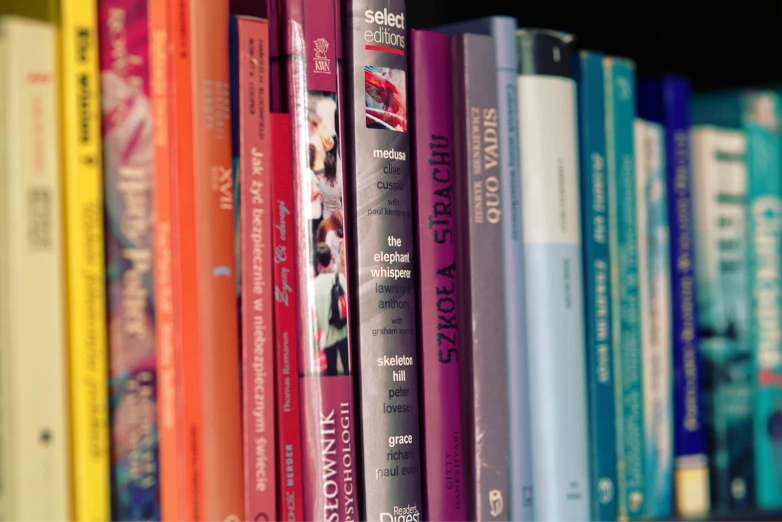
719, 166
623, 247
757, 113
655, 296
597, 287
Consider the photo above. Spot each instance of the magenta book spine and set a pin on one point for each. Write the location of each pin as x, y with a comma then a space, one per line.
432, 140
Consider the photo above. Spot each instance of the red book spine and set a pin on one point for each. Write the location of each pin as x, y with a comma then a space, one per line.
255, 240
289, 452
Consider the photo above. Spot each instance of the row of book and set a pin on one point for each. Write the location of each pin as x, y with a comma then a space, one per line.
294, 261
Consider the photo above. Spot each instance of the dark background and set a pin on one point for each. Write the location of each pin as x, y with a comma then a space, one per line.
715, 43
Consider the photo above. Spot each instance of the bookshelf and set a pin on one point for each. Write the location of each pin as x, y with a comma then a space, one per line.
714, 47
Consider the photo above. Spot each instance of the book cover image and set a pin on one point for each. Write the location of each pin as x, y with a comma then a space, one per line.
128, 162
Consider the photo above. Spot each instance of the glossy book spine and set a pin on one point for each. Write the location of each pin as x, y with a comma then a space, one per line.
548, 148
654, 284
433, 147
597, 288
478, 192
34, 439
382, 248
290, 489
719, 170
128, 134
666, 100
623, 247
84, 258
312, 60
252, 178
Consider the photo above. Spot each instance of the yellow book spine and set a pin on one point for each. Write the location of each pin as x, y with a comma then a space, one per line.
84, 259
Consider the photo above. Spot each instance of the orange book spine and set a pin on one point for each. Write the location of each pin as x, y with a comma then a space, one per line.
168, 421
187, 333
222, 495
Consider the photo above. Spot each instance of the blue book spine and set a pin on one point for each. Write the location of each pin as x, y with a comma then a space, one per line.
551, 218
597, 287
503, 29
623, 247
655, 293
666, 100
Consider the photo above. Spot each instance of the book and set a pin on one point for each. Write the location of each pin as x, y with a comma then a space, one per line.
381, 247
654, 292
206, 326
666, 100
551, 220
253, 208
597, 287
503, 30
757, 113
619, 77
290, 485
719, 171
310, 59
480, 285
128, 135
443, 458
83, 231
34, 437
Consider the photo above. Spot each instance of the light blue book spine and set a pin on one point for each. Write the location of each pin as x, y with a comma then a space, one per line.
758, 114
503, 29
553, 274
655, 293
597, 286
628, 373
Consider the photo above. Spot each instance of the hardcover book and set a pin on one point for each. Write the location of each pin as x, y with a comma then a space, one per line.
441, 384
597, 287
666, 100
551, 222
381, 247
757, 113
654, 292
34, 438
623, 248
252, 178
503, 31
311, 56
719, 170
128, 134
478, 190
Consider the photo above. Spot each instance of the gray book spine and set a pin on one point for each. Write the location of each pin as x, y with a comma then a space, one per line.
381, 246
481, 285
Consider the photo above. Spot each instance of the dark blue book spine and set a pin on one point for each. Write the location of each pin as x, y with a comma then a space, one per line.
597, 286
666, 100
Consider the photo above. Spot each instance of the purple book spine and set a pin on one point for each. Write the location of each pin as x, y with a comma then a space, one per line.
441, 380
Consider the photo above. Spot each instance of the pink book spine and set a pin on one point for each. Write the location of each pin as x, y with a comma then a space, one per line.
257, 297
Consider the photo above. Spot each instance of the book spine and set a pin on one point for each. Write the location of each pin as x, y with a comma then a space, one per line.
128, 134
433, 147
187, 300
554, 274
479, 230
761, 114
719, 167
620, 114
255, 205
597, 288
654, 293
382, 276
290, 495
84, 258
223, 485
313, 61
34, 437
169, 419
